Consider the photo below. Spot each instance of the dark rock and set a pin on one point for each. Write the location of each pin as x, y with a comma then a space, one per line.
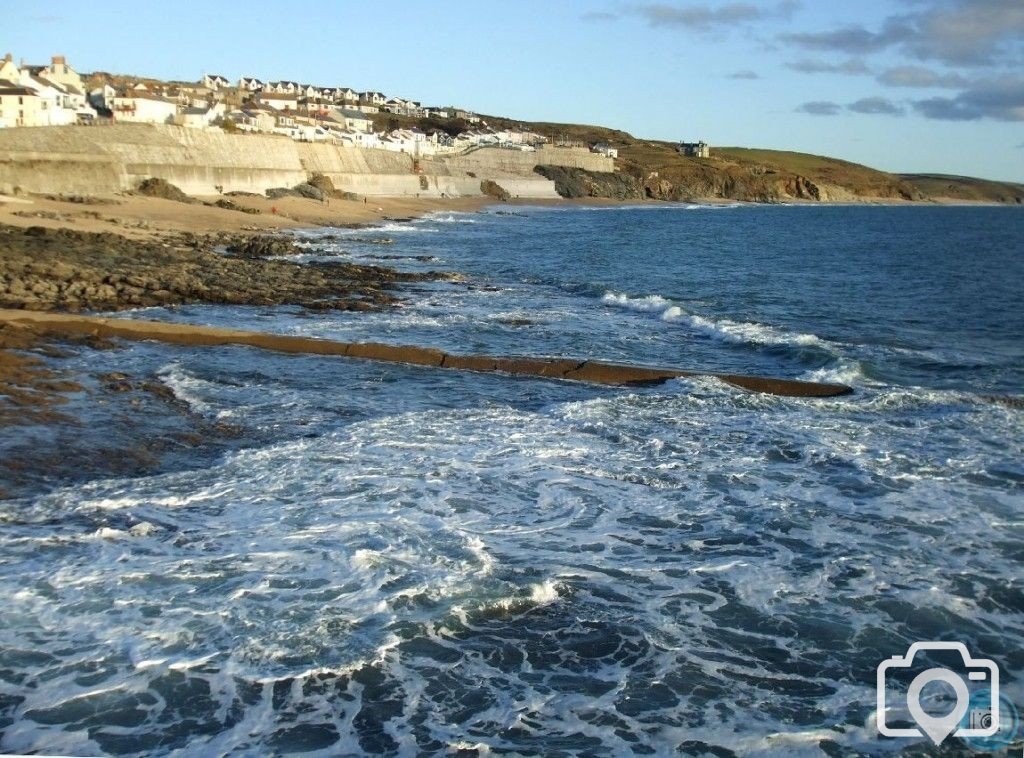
495, 190
308, 190
262, 246
155, 187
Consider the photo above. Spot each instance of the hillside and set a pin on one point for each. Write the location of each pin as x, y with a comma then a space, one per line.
966, 189
654, 169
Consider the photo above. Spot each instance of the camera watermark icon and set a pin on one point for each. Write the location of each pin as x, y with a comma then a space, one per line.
980, 723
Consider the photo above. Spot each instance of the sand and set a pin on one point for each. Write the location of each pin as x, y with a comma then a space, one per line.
141, 217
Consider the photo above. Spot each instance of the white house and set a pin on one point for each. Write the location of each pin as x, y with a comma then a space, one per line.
348, 95
60, 72
58, 88
372, 98
411, 141
397, 106
143, 108
605, 149
253, 120
9, 72
699, 149
199, 117
277, 101
251, 84
351, 119
21, 106
215, 81
350, 138
61, 109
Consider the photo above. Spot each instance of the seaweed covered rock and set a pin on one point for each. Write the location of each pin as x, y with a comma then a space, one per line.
261, 246
155, 187
495, 190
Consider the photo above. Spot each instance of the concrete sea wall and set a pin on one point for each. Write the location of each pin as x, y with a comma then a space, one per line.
92, 160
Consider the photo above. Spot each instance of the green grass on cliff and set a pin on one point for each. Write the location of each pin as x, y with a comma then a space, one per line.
968, 189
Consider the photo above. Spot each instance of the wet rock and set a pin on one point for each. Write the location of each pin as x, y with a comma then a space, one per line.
61, 269
262, 246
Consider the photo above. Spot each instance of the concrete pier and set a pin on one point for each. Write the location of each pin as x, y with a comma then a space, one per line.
596, 372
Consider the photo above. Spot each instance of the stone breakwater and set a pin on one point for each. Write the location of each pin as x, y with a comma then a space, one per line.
98, 160
61, 269
596, 372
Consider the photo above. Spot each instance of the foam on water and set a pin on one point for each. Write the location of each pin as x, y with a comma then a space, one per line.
724, 330
419, 555
405, 561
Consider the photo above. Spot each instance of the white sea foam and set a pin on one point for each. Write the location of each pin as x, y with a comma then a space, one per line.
649, 303
520, 559
404, 227
186, 388
724, 330
447, 218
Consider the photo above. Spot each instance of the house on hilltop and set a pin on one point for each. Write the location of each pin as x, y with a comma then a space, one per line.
251, 84
215, 81
376, 99
695, 149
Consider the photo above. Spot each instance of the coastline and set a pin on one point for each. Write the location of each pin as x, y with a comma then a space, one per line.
138, 217
176, 232
149, 218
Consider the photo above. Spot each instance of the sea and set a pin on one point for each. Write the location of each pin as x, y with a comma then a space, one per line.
404, 560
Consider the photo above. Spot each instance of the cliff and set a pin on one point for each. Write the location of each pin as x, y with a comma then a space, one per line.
651, 170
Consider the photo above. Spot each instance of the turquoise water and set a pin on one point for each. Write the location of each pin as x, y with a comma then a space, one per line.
404, 560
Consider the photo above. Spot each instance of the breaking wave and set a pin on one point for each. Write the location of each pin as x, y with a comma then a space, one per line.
723, 330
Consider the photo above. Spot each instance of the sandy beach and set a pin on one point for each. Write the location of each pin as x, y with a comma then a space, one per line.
139, 217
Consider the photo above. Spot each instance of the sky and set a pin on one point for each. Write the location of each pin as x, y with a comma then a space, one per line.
902, 85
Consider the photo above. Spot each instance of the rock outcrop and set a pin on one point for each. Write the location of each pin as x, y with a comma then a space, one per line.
495, 190
60, 269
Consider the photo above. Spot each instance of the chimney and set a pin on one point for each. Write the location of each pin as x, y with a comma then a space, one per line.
8, 58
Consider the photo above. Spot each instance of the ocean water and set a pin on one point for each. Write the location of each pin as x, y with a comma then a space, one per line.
405, 560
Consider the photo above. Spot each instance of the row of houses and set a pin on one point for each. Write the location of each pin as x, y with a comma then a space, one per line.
369, 101
50, 95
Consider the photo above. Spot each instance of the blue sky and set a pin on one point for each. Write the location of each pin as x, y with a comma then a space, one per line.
902, 85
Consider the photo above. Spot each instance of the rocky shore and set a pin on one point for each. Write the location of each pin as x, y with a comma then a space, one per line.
63, 269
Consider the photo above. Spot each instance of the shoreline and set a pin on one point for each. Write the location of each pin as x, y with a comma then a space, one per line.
139, 217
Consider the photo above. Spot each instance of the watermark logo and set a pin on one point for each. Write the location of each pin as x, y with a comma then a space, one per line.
979, 716
973, 716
